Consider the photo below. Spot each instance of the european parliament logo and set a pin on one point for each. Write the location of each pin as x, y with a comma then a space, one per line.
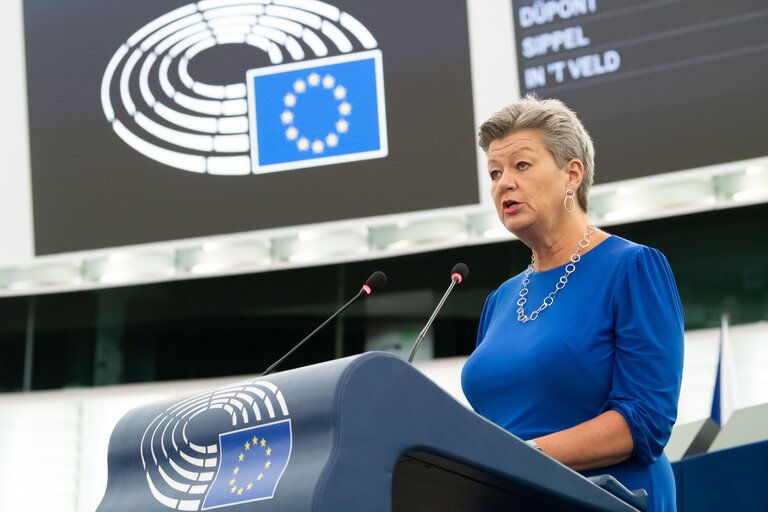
219, 448
315, 113
306, 108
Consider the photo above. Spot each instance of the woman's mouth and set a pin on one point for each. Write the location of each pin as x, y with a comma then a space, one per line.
510, 206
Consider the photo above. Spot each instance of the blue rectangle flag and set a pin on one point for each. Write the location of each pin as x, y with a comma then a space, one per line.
251, 463
318, 112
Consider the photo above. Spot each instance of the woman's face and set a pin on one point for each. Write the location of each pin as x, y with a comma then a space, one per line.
526, 184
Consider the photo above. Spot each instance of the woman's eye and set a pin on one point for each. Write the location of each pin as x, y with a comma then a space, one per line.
495, 175
522, 166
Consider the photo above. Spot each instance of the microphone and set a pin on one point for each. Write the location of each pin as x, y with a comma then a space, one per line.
459, 272
376, 281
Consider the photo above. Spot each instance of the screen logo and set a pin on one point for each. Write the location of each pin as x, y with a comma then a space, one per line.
317, 112
319, 102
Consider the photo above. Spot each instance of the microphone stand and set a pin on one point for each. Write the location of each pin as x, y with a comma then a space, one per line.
431, 319
294, 349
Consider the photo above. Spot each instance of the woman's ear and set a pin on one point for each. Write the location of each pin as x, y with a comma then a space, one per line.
575, 170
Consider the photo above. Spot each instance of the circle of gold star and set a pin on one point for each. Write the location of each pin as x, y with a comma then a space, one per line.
251, 447
344, 108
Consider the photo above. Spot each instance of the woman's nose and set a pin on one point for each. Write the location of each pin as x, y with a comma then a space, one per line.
507, 181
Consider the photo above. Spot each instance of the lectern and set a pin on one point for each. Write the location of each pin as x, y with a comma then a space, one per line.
365, 433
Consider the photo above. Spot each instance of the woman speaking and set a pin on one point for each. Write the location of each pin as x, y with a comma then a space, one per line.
581, 353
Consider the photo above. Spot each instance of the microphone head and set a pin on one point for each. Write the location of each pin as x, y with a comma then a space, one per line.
459, 272
377, 280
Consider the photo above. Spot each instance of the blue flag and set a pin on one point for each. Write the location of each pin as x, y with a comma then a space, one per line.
715, 412
724, 396
251, 464
319, 112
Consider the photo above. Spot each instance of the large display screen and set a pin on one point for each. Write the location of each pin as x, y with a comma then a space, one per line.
167, 120
154, 120
661, 85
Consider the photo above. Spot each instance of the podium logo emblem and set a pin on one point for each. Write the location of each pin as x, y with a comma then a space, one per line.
319, 101
252, 462
219, 448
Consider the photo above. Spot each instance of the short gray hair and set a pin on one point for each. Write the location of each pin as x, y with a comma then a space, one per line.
564, 135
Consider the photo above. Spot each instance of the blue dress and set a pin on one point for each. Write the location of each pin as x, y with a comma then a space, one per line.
612, 340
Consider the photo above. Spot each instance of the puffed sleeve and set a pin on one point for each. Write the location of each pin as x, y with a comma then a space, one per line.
485, 316
648, 367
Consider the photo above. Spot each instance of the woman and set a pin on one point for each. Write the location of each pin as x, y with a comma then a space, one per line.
580, 354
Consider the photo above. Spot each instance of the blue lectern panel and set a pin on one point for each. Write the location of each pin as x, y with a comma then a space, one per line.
345, 435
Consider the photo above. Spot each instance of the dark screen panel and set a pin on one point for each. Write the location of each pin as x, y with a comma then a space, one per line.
91, 190
661, 85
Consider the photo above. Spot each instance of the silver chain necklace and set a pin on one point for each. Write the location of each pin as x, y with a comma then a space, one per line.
550, 298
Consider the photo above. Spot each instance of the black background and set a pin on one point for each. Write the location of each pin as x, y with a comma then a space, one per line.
91, 190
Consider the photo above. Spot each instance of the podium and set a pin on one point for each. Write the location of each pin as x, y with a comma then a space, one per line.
364, 433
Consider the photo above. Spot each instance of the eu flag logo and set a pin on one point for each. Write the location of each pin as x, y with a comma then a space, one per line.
250, 465
319, 112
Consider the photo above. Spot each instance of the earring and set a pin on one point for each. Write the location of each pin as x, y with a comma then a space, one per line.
570, 207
